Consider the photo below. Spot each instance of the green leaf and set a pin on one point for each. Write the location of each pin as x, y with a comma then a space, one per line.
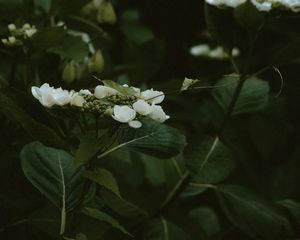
73, 47
123, 90
88, 147
48, 37
104, 178
161, 229
293, 207
251, 214
209, 161
35, 129
122, 206
248, 16
97, 214
206, 219
220, 25
254, 95
51, 171
153, 138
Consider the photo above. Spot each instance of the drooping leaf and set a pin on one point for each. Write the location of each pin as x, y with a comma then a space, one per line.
122, 206
153, 138
51, 171
253, 215
293, 207
102, 216
35, 129
206, 220
161, 229
105, 179
209, 161
253, 97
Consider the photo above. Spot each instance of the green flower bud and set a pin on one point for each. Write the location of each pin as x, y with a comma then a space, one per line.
69, 72
96, 62
106, 13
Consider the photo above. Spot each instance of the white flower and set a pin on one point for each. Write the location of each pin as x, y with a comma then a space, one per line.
152, 96
49, 96
11, 27
44, 95
123, 114
30, 32
235, 52
77, 100
158, 114
135, 124
103, 91
229, 3
262, 6
12, 40
294, 5
218, 53
85, 92
200, 50
4, 41
142, 107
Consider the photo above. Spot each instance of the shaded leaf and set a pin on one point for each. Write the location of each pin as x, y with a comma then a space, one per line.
104, 178
293, 207
253, 97
154, 139
252, 214
97, 214
209, 161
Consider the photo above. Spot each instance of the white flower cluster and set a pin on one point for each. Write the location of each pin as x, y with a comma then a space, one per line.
219, 52
261, 5
107, 101
19, 34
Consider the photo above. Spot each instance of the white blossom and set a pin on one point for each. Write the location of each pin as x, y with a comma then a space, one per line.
294, 5
158, 114
49, 96
200, 50
262, 6
142, 107
135, 124
77, 100
85, 92
12, 27
104, 91
152, 96
30, 32
123, 114
229, 3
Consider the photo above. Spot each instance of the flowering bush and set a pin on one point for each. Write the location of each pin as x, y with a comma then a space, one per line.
149, 120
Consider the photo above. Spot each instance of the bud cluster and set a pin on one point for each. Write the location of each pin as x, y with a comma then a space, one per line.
19, 35
123, 103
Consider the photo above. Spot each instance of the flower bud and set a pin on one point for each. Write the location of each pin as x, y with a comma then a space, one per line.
11, 27
69, 72
106, 13
96, 62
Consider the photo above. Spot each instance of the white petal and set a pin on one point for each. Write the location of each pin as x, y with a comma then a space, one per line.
103, 91
123, 114
135, 124
158, 114
85, 92
77, 100
152, 96
142, 107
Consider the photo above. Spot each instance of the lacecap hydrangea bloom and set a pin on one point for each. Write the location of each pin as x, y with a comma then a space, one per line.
122, 103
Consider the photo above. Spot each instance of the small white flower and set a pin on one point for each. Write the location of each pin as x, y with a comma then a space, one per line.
103, 91
30, 32
12, 40
158, 114
85, 92
262, 6
12, 27
135, 124
218, 53
152, 96
235, 52
228, 3
26, 26
142, 107
62, 97
4, 41
77, 100
137, 91
44, 95
200, 50
123, 114
294, 5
